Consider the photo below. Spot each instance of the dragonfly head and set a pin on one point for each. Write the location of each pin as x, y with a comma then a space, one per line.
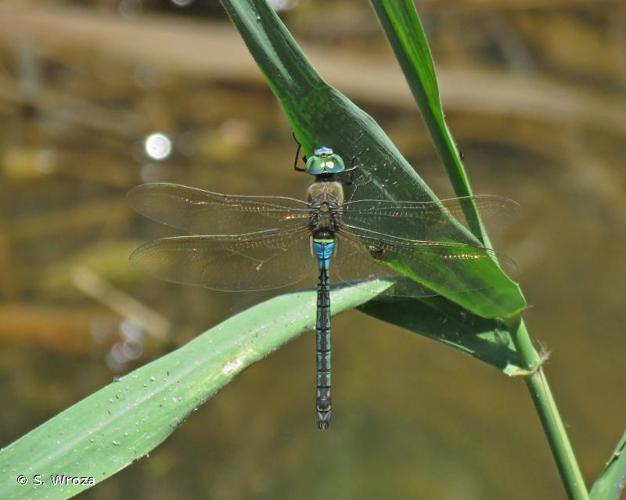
324, 161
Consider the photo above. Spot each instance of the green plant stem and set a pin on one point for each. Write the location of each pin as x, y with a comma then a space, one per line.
549, 414
402, 25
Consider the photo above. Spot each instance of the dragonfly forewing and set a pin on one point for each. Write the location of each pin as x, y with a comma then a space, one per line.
433, 220
197, 211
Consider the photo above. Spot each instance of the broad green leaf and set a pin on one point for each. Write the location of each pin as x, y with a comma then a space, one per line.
321, 115
404, 30
610, 484
438, 319
128, 418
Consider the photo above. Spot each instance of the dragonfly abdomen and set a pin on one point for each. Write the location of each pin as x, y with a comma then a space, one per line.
323, 248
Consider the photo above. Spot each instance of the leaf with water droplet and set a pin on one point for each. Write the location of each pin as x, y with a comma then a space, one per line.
143, 419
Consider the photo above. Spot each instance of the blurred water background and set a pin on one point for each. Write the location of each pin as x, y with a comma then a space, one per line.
98, 96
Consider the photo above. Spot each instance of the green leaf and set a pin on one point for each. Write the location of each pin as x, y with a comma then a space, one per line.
612, 480
438, 319
321, 115
125, 420
404, 30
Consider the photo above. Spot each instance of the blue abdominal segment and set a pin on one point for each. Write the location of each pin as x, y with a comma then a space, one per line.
323, 250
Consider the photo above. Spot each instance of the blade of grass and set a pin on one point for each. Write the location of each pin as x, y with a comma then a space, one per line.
128, 418
406, 35
610, 484
403, 28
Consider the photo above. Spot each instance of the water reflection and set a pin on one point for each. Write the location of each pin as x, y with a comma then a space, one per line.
158, 146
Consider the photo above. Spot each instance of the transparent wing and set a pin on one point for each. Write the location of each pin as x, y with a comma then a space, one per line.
363, 254
354, 262
427, 220
202, 212
246, 262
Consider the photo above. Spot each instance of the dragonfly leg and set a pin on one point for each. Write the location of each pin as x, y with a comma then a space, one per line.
295, 160
350, 171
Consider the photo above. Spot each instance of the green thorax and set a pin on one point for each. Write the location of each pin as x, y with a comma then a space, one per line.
324, 161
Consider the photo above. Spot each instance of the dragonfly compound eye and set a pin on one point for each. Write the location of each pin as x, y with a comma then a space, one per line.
323, 151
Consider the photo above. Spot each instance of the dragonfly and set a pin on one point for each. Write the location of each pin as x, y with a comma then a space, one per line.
254, 243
